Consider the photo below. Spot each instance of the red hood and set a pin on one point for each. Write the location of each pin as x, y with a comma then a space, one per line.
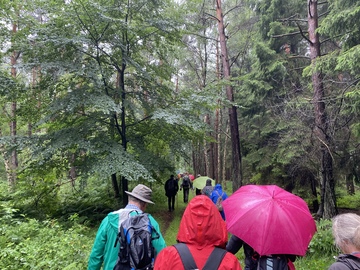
202, 225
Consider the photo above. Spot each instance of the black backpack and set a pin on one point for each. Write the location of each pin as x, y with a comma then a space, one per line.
186, 182
136, 250
212, 263
274, 262
171, 185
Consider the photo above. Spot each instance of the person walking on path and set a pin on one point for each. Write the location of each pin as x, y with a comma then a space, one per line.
208, 189
104, 251
201, 230
218, 192
185, 186
171, 188
234, 245
197, 190
346, 232
251, 256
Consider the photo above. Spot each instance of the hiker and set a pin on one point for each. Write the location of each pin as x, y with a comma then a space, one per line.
208, 189
201, 229
234, 245
251, 256
104, 250
186, 185
171, 188
216, 194
346, 232
198, 190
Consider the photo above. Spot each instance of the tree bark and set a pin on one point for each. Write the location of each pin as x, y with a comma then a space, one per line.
225, 152
205, 150
217, 146
13, 124
236, 176
328, 207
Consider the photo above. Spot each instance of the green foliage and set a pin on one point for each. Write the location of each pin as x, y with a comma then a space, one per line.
314, 262
30, 244
344, 200
340, 22
323, 241
321, 249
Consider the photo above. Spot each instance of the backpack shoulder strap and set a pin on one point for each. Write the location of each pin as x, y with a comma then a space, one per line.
215, 259
123, 215
186, 258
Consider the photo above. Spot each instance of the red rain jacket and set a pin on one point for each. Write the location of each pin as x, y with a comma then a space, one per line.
201, 229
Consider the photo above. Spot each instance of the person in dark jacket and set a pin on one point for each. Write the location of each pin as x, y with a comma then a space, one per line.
234, 245
251, 256
171, 189
208, 189
198, 190
201, 229
346, 232
185, 186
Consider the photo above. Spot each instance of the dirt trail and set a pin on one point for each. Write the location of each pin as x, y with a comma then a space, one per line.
167, 218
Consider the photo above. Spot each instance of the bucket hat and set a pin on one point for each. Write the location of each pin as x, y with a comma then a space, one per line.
141, 192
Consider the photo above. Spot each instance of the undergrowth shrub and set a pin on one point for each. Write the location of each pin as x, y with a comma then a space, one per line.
31, 244
344, 200
323, 241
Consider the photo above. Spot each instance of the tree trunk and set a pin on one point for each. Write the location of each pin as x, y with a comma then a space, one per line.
217, 146
225, 152
205, 150
124, 181
13, 124
236, 176
7, 164
72, 171
350, 184
328, 200
218, 117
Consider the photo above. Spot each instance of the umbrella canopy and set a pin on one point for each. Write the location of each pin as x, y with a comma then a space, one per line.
200, 182
192, 177
270, 219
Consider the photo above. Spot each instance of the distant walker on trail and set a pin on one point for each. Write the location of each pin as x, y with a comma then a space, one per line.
171, 189
208, 189
185, 186
218, 196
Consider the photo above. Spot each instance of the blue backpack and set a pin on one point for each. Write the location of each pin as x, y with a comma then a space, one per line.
136, 250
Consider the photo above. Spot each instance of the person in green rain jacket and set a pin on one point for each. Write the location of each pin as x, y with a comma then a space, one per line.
104, 251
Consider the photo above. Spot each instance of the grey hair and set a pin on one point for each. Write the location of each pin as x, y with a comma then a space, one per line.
346, 230
133, 199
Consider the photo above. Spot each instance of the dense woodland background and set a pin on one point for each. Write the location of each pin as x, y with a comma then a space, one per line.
99, 95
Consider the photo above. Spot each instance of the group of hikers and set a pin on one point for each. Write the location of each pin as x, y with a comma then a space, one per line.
215, 193
129, 238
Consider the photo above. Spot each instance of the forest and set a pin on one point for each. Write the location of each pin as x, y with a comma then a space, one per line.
97, 96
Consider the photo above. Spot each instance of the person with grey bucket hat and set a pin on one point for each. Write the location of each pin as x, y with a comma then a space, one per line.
104, 252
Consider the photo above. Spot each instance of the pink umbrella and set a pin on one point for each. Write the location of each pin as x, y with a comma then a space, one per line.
270, 219
191, 177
